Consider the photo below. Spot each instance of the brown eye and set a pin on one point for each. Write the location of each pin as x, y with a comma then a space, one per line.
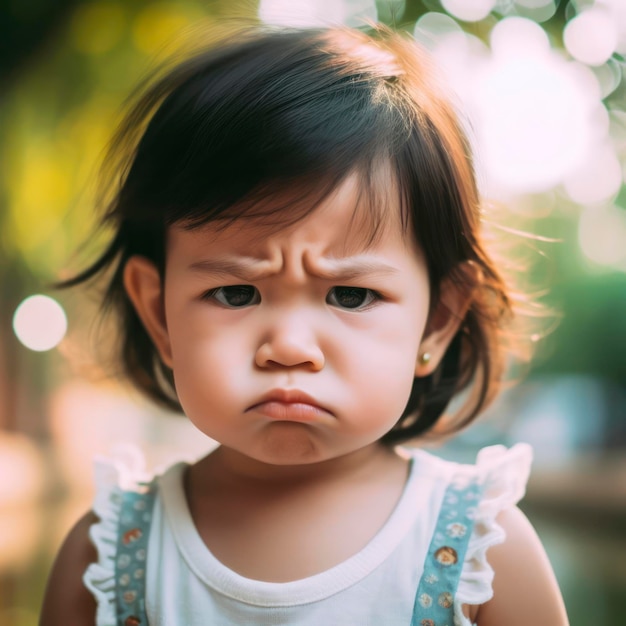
235, 296
351, 297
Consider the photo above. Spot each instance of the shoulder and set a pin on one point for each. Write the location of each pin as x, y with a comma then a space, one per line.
67, 600
525, 590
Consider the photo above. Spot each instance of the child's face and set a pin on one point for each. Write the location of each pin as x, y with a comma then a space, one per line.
293, 347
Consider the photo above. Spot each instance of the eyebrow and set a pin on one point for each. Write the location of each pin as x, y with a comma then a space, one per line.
243, 268
249, 269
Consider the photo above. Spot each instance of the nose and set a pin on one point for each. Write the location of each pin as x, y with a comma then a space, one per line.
291, 342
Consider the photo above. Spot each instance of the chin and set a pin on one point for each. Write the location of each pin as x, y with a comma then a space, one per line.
290, 445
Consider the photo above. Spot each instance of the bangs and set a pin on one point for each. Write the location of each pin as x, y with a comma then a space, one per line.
376, 205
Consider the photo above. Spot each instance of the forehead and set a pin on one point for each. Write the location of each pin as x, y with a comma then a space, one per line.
357, 215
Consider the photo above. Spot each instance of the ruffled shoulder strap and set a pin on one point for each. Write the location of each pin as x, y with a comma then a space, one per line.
123, 502
434, 600
456, 571
503, 474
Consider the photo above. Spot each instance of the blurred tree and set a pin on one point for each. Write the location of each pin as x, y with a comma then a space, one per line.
26, 27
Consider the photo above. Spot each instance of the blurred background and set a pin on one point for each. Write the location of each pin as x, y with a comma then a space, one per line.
542, 83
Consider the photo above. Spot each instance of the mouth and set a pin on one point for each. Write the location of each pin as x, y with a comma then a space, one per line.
290, 405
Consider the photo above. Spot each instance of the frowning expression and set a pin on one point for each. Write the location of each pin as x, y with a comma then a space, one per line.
296, 346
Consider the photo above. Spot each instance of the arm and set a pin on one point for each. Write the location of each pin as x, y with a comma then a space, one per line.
525, 590
67, 600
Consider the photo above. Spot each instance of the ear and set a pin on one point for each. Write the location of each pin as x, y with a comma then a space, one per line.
455, 298
144, 288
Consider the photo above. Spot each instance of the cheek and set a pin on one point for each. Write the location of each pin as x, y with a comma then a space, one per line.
382, 363
206, 362
199, 337
386, 382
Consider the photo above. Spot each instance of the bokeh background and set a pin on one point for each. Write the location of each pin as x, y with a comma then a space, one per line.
542, 83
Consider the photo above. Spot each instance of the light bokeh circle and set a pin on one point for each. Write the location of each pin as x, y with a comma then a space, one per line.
591, 37
601, 234
469, 10
39, 323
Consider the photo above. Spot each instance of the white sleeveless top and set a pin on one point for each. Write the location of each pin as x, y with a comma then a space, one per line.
187, 586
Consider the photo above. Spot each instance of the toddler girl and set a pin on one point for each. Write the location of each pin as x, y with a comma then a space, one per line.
297, 265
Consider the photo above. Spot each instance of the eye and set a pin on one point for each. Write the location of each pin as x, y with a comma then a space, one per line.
351, 297
235, 296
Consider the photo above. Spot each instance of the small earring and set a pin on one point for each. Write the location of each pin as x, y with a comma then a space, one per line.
424, 358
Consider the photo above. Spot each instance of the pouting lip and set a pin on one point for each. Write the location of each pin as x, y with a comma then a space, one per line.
289, 396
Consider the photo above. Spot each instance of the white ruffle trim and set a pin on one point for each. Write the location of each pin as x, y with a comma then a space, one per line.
122, 471
504, 473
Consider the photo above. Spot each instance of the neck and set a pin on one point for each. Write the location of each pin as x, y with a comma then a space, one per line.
235, 469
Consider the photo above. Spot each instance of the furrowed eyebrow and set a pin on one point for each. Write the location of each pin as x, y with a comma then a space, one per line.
245, 269
334, 270
351, 269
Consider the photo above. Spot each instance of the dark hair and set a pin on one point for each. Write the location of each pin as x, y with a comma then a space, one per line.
270, 109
